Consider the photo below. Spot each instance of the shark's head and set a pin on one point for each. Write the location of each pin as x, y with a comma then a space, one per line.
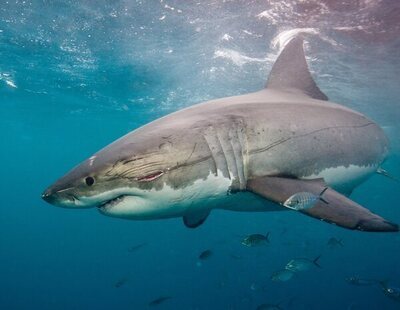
137, 180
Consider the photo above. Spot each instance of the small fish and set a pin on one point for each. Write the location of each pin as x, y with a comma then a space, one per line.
390, 291
302, 264
333, 242
304, 200
282, 275
255, 240
205, 255
354, 280
159, 301
136, 247
121, 282
383, 172
269, 307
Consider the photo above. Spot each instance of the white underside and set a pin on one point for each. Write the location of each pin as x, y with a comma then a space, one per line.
169, 202
345, 179
212, 193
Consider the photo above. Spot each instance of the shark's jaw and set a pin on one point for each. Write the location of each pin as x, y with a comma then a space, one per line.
107, 199
108, 204
129, 202
129, 206
166, 202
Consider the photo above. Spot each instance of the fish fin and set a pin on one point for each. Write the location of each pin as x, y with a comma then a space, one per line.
320, 196
195, 219
315, 261
323, 191
340, 211
267, 237
383, 172
290, 71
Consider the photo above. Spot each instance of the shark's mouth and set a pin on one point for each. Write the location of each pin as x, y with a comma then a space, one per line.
112, 202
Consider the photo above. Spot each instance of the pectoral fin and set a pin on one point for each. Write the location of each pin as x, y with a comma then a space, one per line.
196, 218
340, 210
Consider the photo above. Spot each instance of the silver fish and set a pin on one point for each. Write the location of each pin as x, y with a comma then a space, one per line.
282, 275
304, 200
159, 301
255, 240
354, 280
334, 242
205, 255
302, 264
390, 291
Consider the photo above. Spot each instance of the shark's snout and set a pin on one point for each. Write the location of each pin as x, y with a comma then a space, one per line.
49, 196
61, 198
53, 195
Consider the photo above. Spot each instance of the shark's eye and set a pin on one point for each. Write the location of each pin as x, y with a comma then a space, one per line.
89, 181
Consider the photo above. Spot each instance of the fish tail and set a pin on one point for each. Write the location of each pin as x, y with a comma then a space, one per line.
324, 200
315, 261
323, 191
267, 237
320, 196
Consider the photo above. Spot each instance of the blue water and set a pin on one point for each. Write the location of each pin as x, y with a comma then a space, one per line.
76, 75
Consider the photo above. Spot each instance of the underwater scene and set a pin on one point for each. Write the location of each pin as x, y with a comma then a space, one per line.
281, 191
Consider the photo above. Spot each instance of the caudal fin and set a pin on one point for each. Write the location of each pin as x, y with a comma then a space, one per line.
320, 196
267, 237
315, 261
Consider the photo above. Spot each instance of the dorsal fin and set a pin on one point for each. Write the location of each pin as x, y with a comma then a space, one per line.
290, 71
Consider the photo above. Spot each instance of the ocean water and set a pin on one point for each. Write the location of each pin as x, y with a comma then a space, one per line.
76, 75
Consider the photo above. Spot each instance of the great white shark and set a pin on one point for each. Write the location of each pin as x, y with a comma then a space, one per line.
243, 153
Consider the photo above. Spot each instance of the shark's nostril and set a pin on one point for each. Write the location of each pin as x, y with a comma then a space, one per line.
48, 196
